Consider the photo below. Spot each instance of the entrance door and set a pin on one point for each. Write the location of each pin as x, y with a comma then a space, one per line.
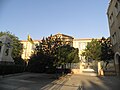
119, 63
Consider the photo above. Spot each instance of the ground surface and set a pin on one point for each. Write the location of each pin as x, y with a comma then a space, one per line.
32, 81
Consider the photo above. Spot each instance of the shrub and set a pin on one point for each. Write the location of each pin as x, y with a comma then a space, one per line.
11, 69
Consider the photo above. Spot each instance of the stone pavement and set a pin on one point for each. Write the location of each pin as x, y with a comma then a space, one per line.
32, 81
26, 81
92, 83
83, 82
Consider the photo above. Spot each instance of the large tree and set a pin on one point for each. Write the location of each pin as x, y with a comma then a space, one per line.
45, 54
93, 50
67, 54
51, 52
100, 50
107, 53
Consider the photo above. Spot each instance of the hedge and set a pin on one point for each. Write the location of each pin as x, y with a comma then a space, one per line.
11, 69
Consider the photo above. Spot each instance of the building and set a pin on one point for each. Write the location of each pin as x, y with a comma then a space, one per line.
81, 44
113, 13
64, 38
28, 47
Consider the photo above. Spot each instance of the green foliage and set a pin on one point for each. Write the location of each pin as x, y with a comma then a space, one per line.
40, 62
19, 61
11, 69
93, 50
67, 54
106, 49
99, 50
50, 53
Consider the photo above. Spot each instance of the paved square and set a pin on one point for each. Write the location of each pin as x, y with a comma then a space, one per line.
35, 81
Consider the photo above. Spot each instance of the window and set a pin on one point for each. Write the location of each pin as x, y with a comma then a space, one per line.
74, 44
116, 8
82, 45
118, 1
119, 33
116, 5
24, 45
111, 19
114, 38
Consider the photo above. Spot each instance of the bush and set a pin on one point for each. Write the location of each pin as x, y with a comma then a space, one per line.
41, 64
36, 67
11, 69
66, 71
50, 70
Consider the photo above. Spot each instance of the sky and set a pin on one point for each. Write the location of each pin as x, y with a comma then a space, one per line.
41, 18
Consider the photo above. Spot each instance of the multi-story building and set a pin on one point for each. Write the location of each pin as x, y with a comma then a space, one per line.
113, 14
64, 38
28, 47
81, 44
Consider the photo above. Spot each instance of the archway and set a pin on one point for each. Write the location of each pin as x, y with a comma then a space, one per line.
117, 62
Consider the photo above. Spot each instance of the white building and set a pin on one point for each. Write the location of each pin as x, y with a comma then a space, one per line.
81, 44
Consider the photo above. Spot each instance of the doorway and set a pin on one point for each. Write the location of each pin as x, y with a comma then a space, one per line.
117, 63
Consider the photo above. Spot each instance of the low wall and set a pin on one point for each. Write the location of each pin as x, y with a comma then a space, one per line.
75, 71
109, 73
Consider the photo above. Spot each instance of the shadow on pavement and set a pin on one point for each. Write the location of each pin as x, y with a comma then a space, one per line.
101, 83
28, 81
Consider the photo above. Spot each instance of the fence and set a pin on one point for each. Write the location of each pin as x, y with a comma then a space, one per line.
73, 65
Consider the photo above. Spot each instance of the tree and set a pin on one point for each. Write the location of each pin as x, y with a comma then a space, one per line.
17, 46
93, 50
45, 53
100, 50
52, 52
106, 51
71, 54
66, 54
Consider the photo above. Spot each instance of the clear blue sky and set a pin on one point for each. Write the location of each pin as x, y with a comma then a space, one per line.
41, 18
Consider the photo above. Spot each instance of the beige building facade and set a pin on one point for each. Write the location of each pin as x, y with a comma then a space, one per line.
113, 14
66, 39
28, 48
81, 44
